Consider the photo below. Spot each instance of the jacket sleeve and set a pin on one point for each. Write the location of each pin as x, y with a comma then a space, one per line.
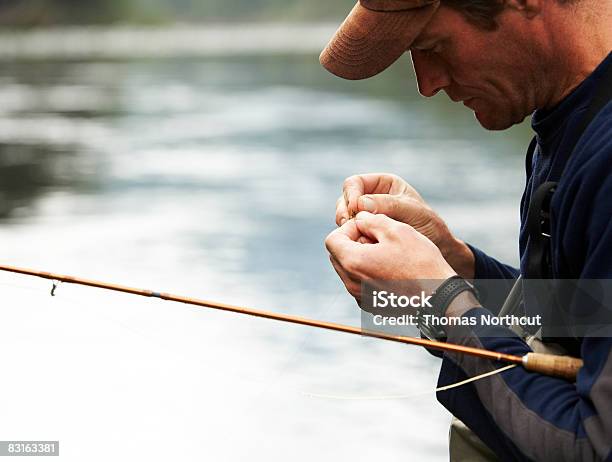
486, 268
527, 416
522, 415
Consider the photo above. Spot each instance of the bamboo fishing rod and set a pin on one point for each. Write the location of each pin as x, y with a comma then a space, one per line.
564, 367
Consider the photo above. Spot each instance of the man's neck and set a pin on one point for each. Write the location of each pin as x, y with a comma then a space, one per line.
581, 44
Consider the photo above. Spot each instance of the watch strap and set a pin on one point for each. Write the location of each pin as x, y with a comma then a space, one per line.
440, 300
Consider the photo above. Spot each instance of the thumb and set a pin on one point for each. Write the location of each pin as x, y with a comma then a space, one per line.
399, 208
343, 240
377, 228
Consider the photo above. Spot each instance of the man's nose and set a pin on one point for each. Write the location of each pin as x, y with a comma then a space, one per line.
431, 73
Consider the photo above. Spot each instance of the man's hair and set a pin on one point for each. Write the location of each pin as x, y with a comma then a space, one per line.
483, 13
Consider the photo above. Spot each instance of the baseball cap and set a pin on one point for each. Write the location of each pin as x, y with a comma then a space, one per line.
374, 35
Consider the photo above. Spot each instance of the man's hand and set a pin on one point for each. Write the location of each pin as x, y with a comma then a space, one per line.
396, 252
383, 193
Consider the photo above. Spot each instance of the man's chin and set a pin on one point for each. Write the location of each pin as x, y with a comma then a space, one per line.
493, 117
490, 120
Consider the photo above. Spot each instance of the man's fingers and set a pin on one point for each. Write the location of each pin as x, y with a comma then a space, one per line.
342, 217
352, 190
380, 183
365, 240
343, 240
342, 214
377, 228
401, 208
353, 286
372, 183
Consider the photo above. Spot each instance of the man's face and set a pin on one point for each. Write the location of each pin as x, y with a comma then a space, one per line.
491, 72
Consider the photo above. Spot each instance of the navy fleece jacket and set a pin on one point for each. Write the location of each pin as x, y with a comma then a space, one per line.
522, 415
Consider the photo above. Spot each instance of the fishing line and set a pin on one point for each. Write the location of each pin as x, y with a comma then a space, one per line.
30, 288
66, 298
296, 351
72, 303
411, 395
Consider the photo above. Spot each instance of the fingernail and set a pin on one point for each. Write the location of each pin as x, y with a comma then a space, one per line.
342, 221
368, 204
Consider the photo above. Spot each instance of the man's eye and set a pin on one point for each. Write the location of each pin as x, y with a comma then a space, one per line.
429, 50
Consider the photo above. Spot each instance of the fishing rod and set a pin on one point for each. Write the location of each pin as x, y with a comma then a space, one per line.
564, 367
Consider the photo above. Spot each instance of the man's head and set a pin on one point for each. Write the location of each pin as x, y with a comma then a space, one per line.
502, 58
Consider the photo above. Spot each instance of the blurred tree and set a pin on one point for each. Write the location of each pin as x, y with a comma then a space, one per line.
50, 12
46, 12
270, 9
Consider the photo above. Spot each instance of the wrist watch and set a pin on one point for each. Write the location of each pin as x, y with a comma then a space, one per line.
432, 327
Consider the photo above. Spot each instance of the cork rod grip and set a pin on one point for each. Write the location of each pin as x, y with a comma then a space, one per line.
564, 367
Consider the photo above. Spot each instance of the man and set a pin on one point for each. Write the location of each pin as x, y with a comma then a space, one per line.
504, 60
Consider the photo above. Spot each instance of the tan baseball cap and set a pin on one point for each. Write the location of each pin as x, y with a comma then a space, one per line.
374, 35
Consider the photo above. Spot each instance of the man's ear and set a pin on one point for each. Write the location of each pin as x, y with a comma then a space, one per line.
529, 8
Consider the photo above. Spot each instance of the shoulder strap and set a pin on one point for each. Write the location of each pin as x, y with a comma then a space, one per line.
539, 264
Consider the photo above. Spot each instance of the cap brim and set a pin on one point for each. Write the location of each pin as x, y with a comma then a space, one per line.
369, 41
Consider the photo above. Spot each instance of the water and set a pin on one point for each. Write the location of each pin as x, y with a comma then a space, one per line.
190, 170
